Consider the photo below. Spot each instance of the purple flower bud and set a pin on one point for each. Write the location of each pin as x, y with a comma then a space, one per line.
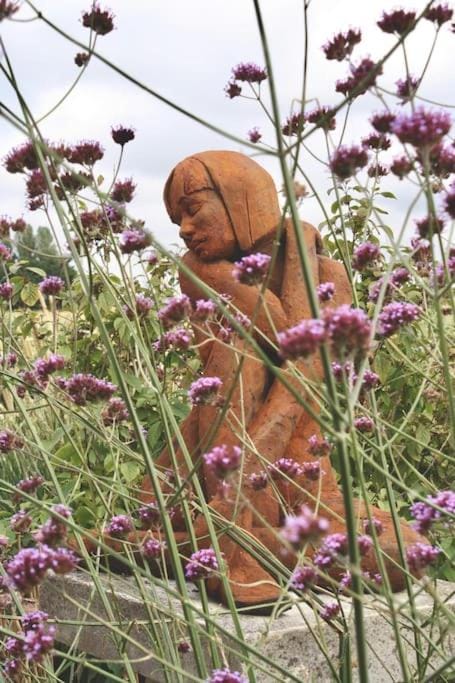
348, 329
7, 9
323, 117
258, 480
330, 611
98, 20
299, 529
9, 441
122, 135
365, 255
364, 424
312, 470
395, 315
407, 88
401, 166
123, 191
203, 310
303, 578
83, 388
119, 526
115, 412
20, 522
32, 620
232, 90
333, 547
28, 567
294, 124
252, 269
429, 226
346, 160
176, 309
52, 285
152, 549
369, 380
376, 141
254, 135
223, 460
5, 253
149, 515
285, 466
202, 565
318, 446
382, 121
398, 21
325, 291
302, 340
204, 391
132, 240
179, 339
342, 44
420, 555
6, 291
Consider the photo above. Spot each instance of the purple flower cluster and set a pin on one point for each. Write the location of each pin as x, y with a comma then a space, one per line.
83, 388
43, 367
422, 127
342, 44
8, 361
330, 611
407, 88
7, 9
20, 522
429, 226
86, 153
123, 191
376, 141
426, 515
303, 578
133, 239
119, 526
377, 171
249, 73
21, 158
365, 255
152, 549
226, 676
318, 446
294, 124
258, 481
346, 160
6, 291
204, 391
29, 566
176, 309
439, 14
202, 565
143, 306
312, 470
302, 340
98, 20
52, 285
401, 167
323, 117
325, 291
333, 547
420, 555
398, 21
179, 339
38, 642
114, 412
382, 121
203, 310
374, 523
223, 460
395, 315
285, 466
122, 135
29, 486
364, 424
5, 253
251, 269
149, 515
54, 531
9, 441
348, 329
306, 526
363, 76
254, 135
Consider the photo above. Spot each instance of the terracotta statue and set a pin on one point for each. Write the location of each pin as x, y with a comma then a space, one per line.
227, 207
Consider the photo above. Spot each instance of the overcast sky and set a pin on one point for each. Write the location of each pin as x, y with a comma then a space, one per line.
185, 49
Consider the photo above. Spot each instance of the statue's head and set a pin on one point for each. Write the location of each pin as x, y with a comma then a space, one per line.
224, 202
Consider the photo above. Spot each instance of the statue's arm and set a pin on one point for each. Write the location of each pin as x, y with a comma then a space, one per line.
268, 313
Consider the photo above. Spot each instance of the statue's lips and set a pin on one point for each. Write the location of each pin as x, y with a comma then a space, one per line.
196, 245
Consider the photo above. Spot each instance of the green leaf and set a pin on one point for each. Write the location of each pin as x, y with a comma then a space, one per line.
387, 194
130, 470
30, 294
38, 271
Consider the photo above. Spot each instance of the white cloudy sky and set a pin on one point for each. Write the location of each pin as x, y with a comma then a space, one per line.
185, 49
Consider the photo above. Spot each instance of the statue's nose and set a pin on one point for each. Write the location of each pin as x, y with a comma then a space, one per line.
186, 230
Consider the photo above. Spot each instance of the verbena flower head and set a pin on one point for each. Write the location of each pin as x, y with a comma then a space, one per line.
312, 470
176, 309
365, 255
439, 14
123, 191
325, 291
6, 291
81, 59
86, 153
420, 555
285, 466
363, 76
119, 526
370, 380
7, 9
20, 522
63, 561
382, 121
28, 568
203, 310
258, 481
377, 141
233, 89
294, 124
324, 117
226, 676
401, 167
149, 515
364, 424
52, 285
302, 340
32, 620
21, 158
333, 547
430, 225
348, 329
99, 20
426, 515
178, 339
39, 642
204, 391
9, 441
254, 135
249, 72
133, 239
29, 486
318, 446
407, 88
398, 21
44, 367
122, 135
330, 611
114, 412
422, 127
202, 565
152, 548
223, 460
395, 315
346, 160
5, 253
54, 530
399, 276
304, 527
377, 171
83, 388
342, 44
303, 578
375, 523
251, 269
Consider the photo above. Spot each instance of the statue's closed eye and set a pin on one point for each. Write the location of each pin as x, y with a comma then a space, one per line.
193, 208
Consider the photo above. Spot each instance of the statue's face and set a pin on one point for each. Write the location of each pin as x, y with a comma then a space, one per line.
205, 226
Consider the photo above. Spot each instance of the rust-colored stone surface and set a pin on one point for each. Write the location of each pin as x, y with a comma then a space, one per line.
226, 206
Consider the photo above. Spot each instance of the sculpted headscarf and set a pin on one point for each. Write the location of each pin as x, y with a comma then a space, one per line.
245, 188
